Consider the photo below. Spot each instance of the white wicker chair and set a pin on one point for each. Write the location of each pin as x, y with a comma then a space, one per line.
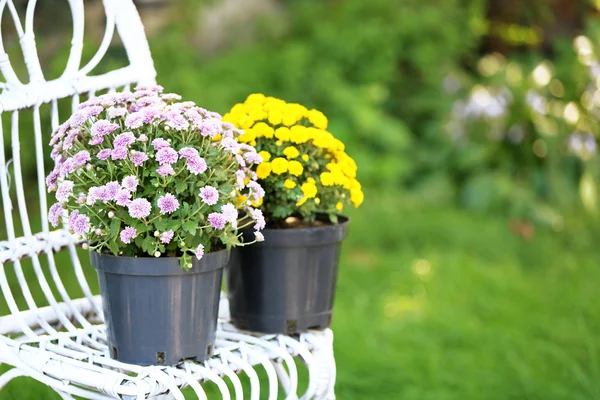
62, 342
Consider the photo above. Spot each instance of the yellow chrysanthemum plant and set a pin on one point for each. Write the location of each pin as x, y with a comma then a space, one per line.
305, 171
308, 181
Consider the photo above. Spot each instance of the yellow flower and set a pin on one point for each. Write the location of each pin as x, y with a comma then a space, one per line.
265, 155
263, 170
279, 143
240, 200
262, 129
255, 99
217, 137
295, 168
257, 203
257, 114
311, 180
247, 137
283, 134
275, 116
299, 134
245, 122
301, 201
318, 119
357, 197
305, 157
280, 165
239, 109
309, 190
339, 206
327, 179
354, 184
273, 103
291, 152
289, 184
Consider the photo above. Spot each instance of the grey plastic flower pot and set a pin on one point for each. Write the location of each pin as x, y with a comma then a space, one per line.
157, 313
286, 284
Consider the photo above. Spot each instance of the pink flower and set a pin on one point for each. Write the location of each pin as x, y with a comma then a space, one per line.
209, 195
170, 97
95, 193
115, 112
142, 138
217, 220
256, 190
165, 170
259, 236
122, 197
196, 165
67, 167
240, 177
166, 155
199, 252
159, 143
124, 139
103, 127
230, 213
51, 180
151, 113
139, 208
230, 145
104, 154
81, 158
93, 111
128, 234
134, 120
96, 140
253, 158
188, 152
130, 183
167, 204
54, 214
210, 127
166, 237
258, 217
138, 158
151, 88
65, 190
177, 122
119, 153
80, 225
111, 189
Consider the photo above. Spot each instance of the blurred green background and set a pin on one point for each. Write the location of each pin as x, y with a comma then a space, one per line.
471, 268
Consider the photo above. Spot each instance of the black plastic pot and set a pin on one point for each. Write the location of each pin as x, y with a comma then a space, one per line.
286, 284
157, 313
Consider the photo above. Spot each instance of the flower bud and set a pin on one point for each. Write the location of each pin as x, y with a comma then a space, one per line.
89, 167
111, 214
156, 233
190, 265
98, 231
84, 246
157, 254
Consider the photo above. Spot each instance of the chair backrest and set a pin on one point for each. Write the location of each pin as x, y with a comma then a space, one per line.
31, 112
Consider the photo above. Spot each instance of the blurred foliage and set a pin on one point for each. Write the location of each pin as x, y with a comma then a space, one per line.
374, 70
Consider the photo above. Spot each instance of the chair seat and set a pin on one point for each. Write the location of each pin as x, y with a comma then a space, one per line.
77, 362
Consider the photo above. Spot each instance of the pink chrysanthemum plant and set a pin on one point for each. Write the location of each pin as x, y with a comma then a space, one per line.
141, 174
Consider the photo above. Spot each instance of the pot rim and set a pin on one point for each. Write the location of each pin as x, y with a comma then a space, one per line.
157, 266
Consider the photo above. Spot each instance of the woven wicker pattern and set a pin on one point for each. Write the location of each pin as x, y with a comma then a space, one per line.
63, 344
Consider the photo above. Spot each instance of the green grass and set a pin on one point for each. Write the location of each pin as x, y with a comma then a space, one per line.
441, 304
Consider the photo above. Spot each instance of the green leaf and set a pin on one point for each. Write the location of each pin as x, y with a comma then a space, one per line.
180, 187
114, 247
333, 218
148, 244
190, 227
115, 227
